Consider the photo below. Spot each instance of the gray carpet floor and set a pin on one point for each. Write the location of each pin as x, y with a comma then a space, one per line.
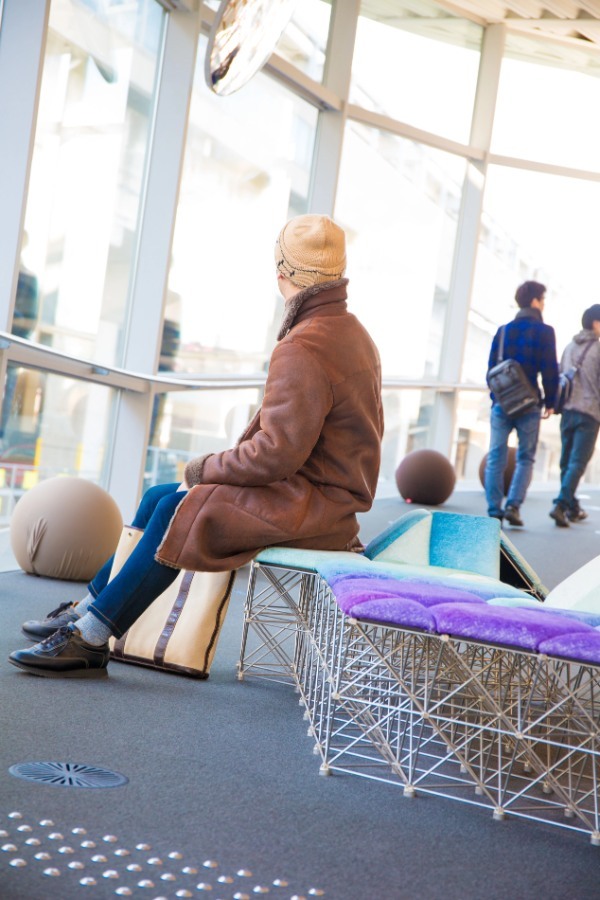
223, 797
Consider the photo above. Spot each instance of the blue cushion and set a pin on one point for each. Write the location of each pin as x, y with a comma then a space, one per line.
470, 543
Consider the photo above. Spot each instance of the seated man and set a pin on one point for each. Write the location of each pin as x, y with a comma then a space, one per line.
302, 470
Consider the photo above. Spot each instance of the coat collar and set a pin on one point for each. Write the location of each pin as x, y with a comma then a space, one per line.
529, 313
317, 295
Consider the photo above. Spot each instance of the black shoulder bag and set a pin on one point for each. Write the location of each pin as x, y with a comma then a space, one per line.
511, 387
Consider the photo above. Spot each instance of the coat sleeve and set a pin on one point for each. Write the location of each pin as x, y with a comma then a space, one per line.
549, 367
298, 397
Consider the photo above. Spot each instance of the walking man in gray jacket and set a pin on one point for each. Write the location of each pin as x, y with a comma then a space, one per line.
580, 420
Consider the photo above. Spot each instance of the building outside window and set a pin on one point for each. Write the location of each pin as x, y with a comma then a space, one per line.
398, 180
81, 224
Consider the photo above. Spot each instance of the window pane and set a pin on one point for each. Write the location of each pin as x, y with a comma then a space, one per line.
399, 201
193, 424
547, 98
240, 184
49, 426
472, 438
304, 41
417, 63
407, 423
520, 241
92, 136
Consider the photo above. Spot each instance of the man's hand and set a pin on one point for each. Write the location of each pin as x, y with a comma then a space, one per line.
547, 413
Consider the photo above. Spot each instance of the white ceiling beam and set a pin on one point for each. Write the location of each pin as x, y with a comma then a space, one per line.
557, 26
564, 9
590, 6
529, 9
483, 13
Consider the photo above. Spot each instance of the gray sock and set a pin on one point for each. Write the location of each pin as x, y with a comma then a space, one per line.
81, 607
92, 630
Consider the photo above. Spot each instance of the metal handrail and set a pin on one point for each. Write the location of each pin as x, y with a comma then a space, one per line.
31, 355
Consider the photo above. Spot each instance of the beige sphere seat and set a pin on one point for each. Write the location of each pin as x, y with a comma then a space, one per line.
65, 528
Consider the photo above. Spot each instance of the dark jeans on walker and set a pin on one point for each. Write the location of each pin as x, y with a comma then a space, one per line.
120, 602
578, 434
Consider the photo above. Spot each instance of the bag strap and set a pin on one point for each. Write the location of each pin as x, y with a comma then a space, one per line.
173, 617
584, 354
500, 356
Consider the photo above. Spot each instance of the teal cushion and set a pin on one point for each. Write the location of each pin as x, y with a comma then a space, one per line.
470, 543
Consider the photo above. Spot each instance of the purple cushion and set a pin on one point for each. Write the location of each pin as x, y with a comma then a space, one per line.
583, 646
397, 610
350, 592
525, 628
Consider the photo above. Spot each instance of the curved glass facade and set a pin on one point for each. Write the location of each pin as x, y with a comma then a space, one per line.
460, 159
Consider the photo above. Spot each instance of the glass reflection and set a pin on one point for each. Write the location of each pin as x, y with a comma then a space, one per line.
408, 414
399, 203
188, 425
519, 241
241, 40
546, 93
239, 185
50, 426
304, 40
93, 131
416, 62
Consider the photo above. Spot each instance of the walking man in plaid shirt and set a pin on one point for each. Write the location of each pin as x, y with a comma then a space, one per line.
533, 344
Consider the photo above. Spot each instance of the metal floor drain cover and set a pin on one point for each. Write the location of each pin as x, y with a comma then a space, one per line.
65, 774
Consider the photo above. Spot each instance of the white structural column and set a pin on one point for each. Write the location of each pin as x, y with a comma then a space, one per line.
330, 129
22, 41
465, 251
153, 256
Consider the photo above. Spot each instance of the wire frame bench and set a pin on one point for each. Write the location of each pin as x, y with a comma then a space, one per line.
506, 728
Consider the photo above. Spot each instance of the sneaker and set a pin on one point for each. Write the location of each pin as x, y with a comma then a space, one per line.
559, 515
63, 655
576, 515
38, 629
512, 516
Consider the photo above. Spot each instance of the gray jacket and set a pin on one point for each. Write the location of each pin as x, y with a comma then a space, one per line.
585, 397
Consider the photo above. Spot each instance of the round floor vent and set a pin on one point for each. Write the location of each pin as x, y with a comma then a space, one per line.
66, 774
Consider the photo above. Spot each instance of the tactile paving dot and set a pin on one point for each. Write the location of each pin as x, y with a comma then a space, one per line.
21, 845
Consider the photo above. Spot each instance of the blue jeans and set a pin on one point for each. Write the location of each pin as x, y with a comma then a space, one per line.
527, 427
120, 602
578, 434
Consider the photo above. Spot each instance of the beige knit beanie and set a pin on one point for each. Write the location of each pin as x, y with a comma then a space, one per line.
311, 249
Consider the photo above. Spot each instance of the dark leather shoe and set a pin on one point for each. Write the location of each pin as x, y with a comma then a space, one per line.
63, 655
576, 515
559, 515
38, 629
512, 516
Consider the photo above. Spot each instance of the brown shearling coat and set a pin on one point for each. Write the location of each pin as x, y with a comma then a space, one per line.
309, 460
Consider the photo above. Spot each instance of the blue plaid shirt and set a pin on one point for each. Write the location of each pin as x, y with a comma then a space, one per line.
533, 344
